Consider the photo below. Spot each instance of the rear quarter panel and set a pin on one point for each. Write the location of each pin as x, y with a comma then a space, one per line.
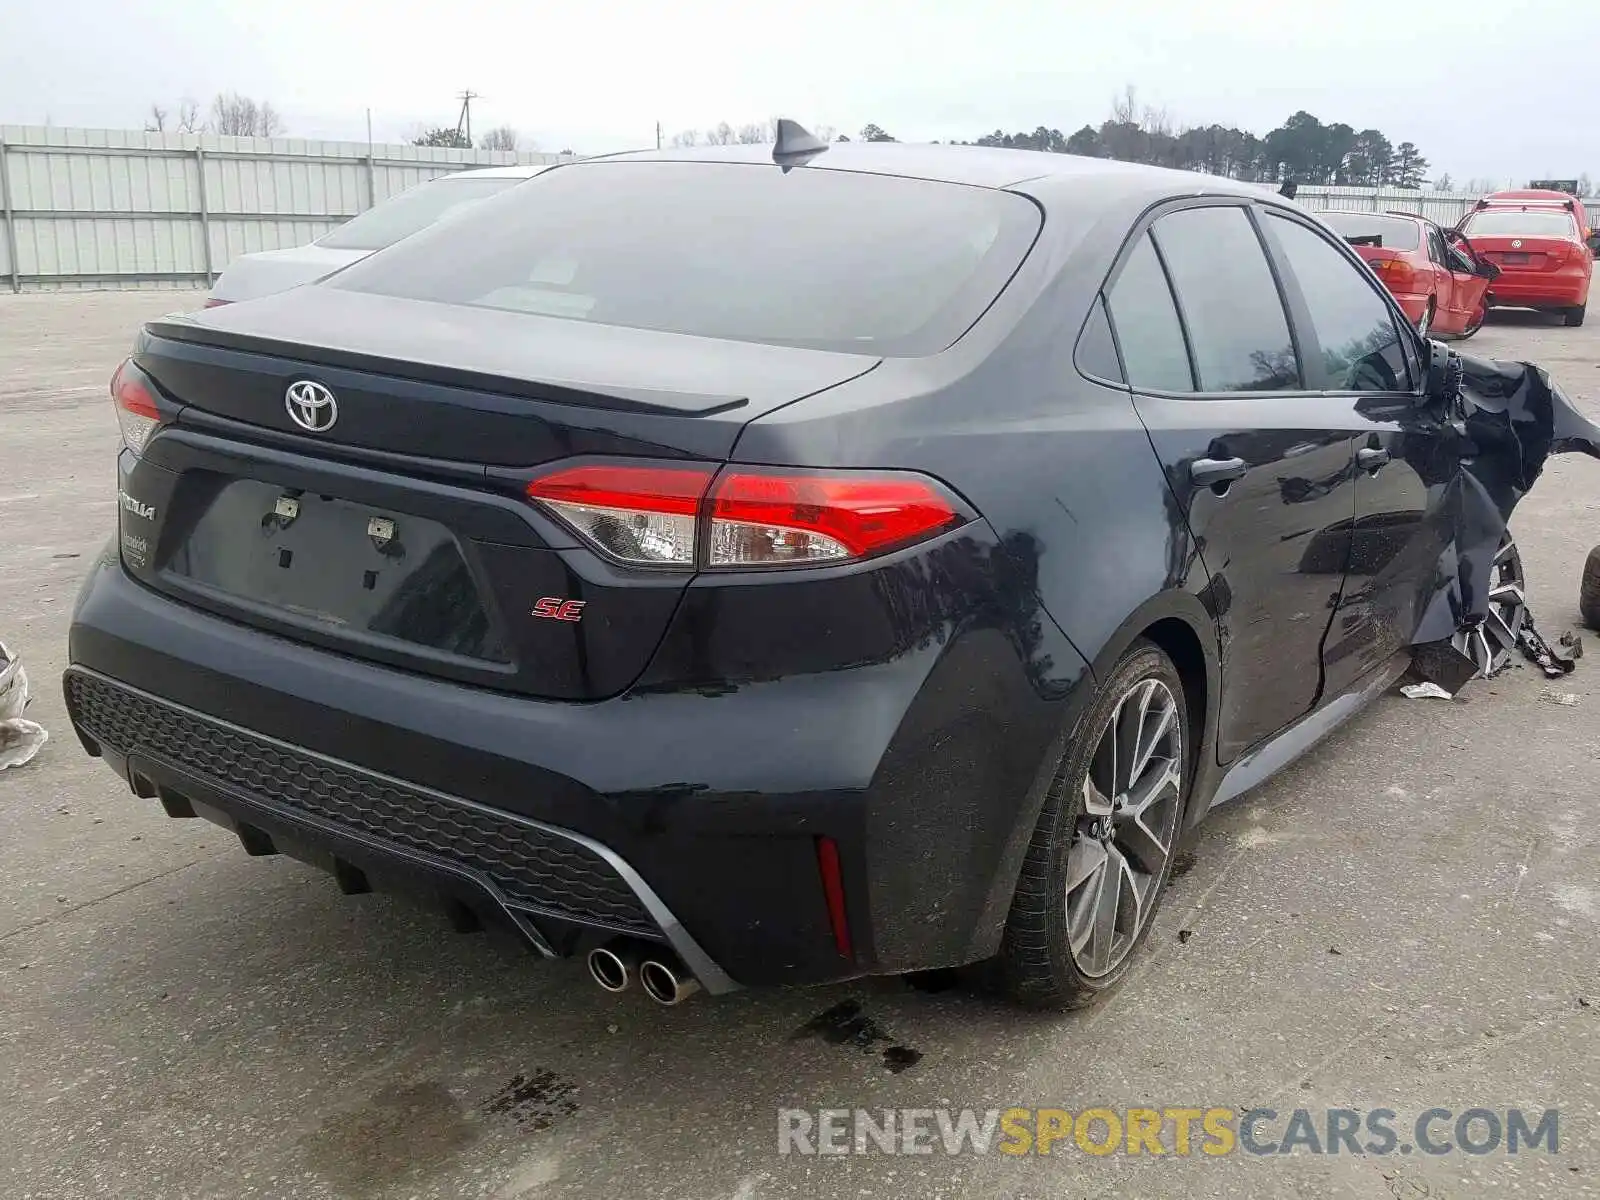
1059, 465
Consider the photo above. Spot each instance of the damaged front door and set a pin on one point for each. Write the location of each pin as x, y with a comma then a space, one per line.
1369, 365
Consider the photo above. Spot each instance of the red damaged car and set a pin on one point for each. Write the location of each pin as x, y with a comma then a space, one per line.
1437, 276
1537, 239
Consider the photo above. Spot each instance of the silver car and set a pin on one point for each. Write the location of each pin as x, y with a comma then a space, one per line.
267, 271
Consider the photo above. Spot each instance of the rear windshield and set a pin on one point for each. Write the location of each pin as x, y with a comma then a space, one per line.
1395, 233
827, 259
1517, 223
403, 215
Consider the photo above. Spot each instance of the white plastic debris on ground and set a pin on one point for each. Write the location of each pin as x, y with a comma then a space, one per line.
20, 739
1425, 691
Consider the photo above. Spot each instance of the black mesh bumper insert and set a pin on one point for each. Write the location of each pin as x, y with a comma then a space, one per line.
531, 867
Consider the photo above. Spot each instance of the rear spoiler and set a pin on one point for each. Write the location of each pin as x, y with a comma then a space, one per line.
1570, 205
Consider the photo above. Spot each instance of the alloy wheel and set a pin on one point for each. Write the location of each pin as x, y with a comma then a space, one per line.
1125, 828
1491, 643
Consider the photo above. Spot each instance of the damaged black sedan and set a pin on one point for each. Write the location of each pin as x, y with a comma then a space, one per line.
745, 569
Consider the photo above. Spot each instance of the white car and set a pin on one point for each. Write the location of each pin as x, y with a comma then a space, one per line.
267, 271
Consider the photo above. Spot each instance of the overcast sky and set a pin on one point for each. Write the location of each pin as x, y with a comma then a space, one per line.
1484, 87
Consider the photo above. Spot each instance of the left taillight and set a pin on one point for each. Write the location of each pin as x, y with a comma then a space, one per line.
745, 517
135, 400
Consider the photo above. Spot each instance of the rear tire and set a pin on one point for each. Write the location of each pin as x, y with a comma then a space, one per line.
1575, 314
1589, 592
1112, 816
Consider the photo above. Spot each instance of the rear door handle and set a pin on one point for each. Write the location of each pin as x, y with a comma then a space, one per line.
1371, 459
1207, 472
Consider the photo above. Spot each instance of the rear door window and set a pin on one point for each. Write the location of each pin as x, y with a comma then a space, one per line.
1146, 323
826, 259
1360, 343
1229, 300
1436, 247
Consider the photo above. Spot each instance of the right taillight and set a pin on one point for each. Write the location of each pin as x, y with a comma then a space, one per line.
744, 517
135, 399
767, 518
1395, 272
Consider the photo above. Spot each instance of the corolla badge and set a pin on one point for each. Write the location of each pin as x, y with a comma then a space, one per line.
311, 406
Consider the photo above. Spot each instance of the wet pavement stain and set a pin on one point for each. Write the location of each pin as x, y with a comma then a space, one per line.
846, 1025
401, 1133
534, 1101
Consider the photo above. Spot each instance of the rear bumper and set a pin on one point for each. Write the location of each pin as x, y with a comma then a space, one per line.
1567, 288
684, 817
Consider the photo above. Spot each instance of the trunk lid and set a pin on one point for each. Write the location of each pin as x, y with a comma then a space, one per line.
399, 532
1514, 255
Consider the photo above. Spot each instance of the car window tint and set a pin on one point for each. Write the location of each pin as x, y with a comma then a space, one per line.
1146, 324
1436, 247
1097, 353
1360, 344
828, 260
1229, 300
410, 211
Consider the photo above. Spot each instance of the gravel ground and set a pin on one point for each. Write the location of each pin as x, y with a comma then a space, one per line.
1407, 918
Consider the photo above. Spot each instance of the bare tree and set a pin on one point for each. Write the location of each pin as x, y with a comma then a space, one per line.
754, 135
685, 140
189, 116
156, 122
1157, 121
722, 135
240, 116
503, 137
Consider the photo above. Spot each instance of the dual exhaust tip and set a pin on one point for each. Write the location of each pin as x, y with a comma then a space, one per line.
662, 975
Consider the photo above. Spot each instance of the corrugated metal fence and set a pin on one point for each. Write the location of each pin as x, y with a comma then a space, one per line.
1445, 208
107, 208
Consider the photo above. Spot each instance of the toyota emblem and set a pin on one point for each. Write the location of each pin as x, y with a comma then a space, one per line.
1517, 245
311, 406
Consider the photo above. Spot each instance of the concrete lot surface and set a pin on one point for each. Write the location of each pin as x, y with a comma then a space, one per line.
1408, 918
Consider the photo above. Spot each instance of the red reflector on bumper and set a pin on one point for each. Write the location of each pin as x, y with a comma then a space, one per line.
833, 890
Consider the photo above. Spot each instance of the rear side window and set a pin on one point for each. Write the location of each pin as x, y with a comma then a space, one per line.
1360, 342
1147, 326
1229, 301
828, 259
1097, 353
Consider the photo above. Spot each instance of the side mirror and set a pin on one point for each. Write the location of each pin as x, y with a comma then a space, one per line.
1442, 374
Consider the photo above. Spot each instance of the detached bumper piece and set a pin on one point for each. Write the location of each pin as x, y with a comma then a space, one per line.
558, 888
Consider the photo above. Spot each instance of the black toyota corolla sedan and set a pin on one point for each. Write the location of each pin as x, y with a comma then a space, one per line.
746, 572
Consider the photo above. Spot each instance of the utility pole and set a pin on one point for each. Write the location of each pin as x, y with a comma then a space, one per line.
465, 119
658, 135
